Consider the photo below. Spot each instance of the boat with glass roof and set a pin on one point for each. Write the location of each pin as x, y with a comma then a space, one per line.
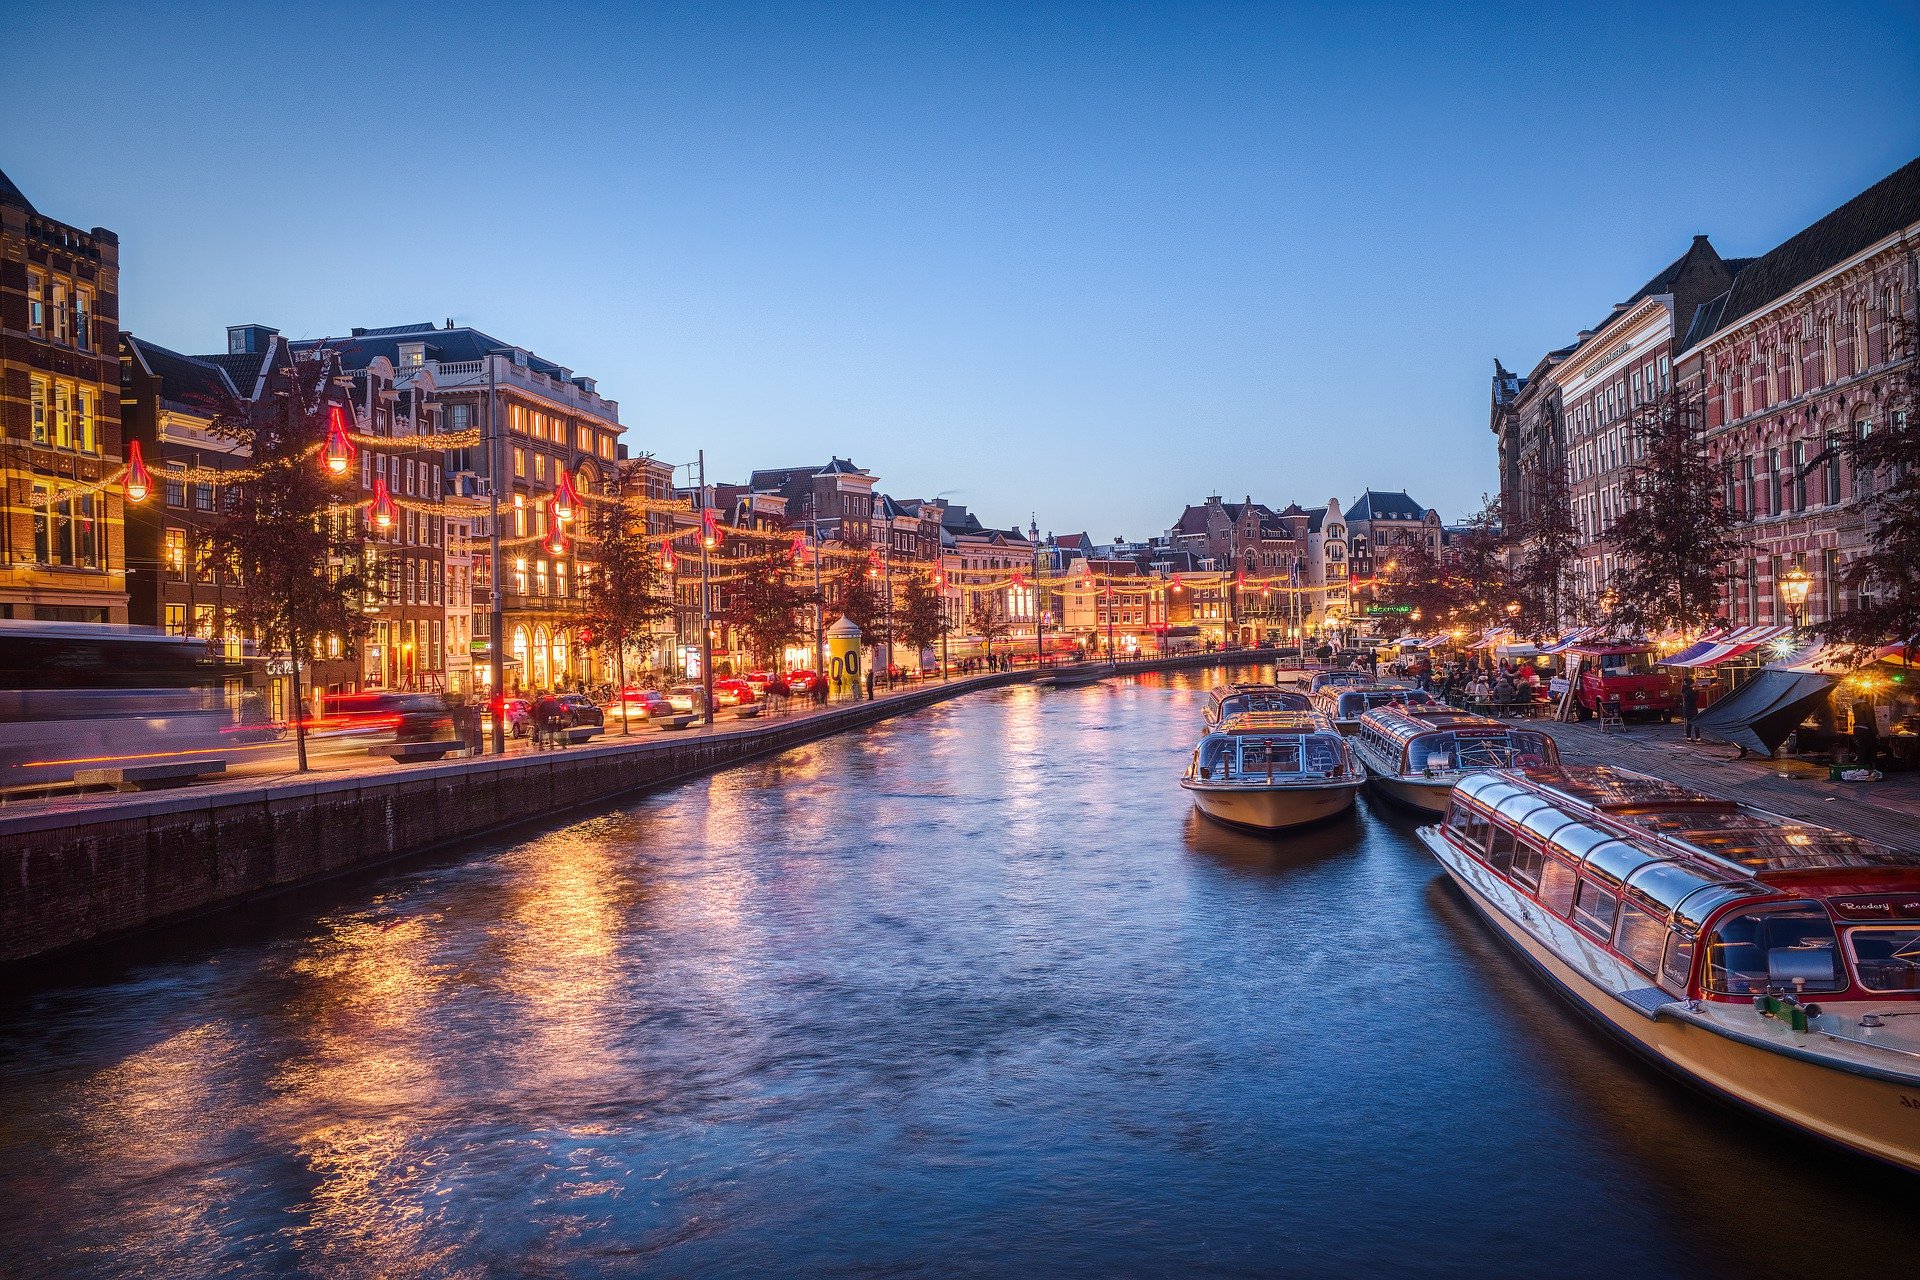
1771, 961
1270, 770
1344, 705
1415, 755
1232, 700
1340, 678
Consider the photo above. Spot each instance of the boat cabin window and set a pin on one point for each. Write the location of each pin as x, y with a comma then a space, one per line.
1679, 960
1642, 936
1594, 907
1270, 755
1790, 947
1216, 757
1887, 958
1469, 826
1557, 881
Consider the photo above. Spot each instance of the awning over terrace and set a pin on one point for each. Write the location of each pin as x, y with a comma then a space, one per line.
1712, 651
1571, 639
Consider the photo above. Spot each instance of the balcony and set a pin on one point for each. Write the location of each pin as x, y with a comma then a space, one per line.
473, 373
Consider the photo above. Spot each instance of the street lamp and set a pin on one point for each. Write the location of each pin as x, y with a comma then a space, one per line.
1794, 585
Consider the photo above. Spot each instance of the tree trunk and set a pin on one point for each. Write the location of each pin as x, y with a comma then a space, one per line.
299, 712
620, 694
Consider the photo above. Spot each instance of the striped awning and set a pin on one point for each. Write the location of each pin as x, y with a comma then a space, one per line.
1699, 648
1571, 639
1735, 644
1434, 642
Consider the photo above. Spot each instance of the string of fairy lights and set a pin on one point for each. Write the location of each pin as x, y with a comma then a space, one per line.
784, 549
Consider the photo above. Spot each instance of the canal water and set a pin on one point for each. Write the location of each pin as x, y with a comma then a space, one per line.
971, 993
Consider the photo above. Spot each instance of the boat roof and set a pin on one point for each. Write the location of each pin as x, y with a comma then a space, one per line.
1432, 719
1274, 722
1677, 822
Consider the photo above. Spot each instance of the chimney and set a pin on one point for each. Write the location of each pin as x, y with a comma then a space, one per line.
250, 339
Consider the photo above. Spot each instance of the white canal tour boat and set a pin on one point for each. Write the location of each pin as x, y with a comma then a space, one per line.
1772, 962
1416, 755
1268, 771
1343, 705
1232, 700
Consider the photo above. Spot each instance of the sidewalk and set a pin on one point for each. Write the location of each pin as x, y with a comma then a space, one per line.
1887, 811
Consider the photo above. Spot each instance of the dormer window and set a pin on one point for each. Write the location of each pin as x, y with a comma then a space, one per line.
413, 355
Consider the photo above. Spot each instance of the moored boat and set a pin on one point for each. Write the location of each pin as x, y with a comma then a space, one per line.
1338, 679
1069, 674
1773, 962
1343, 705
1415, 755
1272, 770
1232, 700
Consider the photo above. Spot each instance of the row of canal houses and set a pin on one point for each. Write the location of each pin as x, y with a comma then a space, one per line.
1788, 353
78, 395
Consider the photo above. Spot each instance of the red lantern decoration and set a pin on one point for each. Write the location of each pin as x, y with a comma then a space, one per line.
666, 558
339, 447
564, 498
710, 530
799, 549
138, 483
557, 534
385, 513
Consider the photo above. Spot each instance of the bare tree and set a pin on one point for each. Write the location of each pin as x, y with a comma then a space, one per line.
1885, 582
1675, 537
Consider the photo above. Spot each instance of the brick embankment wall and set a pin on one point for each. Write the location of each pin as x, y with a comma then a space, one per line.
72, 878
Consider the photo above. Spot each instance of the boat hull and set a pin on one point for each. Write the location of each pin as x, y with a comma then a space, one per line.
1273, 808
1424, 794
1067, 677
1876, 1114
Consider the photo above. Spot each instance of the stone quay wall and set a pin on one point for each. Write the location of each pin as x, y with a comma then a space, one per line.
69, 878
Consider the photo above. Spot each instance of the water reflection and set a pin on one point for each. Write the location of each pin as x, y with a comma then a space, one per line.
975, 992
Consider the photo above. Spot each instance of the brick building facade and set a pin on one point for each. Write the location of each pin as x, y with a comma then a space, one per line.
62, 537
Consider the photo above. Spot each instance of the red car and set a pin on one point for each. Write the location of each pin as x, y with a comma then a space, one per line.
730, 692
803, 681
638, 704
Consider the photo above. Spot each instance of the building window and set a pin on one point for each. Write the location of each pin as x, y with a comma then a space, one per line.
1799, 475
175, 550
176, 620
176, 490
36, 304
62, 416
203, 497
520, 463
39, 394
84, 435
62, 317
83, 318
539, 466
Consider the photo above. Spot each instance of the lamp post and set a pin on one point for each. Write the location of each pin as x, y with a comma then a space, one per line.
1795, 583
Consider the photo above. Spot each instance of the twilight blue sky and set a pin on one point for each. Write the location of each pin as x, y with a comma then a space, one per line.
1091, 260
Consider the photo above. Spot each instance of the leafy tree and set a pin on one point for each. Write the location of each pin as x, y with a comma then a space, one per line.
297, 553
1675, 536
767, 607
922, 618
1413, 575
1885, 582
628, 589
1477, 572
985, 619
855, 591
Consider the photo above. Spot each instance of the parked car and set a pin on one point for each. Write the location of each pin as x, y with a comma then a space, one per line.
733, 693
688, 699
803, 681
765, 683
581, 712
393, 717
638, 704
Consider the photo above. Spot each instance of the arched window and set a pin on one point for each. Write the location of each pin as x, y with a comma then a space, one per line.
520, 651
542, 668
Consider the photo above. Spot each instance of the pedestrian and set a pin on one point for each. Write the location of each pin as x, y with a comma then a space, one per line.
1866, 736
869, 686
1689, 705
